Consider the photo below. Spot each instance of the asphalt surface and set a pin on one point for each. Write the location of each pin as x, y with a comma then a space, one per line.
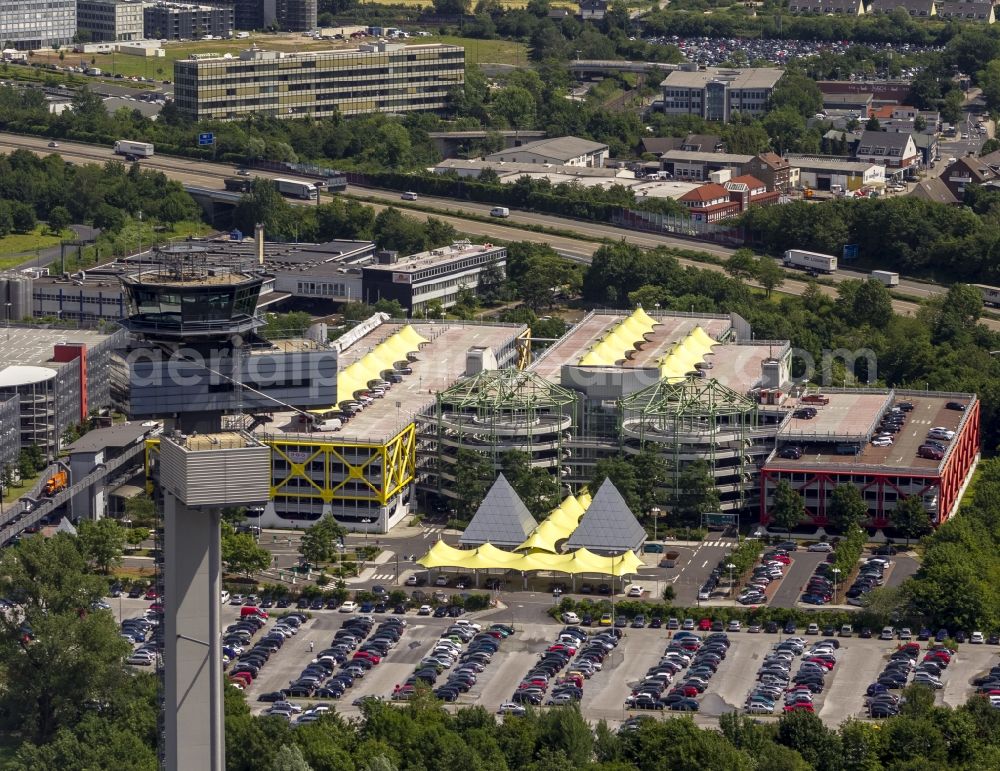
858, 664
796, 577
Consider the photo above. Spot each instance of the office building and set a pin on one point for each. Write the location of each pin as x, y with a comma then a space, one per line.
32, 24
377, 77
438, 275
297, 15
187, 21
719, 93
111, 20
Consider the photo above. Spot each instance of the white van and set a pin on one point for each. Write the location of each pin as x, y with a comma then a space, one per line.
409, 196
499, 211
570, 618
225, 597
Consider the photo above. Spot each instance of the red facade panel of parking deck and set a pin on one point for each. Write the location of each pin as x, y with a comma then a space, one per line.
946, 483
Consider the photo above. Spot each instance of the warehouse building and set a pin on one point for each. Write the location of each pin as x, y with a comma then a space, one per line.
376, 77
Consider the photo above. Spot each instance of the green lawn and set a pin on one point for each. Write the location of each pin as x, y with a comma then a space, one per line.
485, 51
22, 244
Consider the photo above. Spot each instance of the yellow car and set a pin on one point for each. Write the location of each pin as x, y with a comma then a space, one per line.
606, 620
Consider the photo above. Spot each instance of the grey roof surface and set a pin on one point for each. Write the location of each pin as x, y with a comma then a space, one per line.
608, 525
750, 77
502, 519
559, 148
121, 435
65, 526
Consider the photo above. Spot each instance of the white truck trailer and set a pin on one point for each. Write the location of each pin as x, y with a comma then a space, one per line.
991, 294
886, 277
810, 261
137, 149
295, 188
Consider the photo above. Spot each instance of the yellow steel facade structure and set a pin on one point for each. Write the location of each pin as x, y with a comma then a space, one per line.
327, 471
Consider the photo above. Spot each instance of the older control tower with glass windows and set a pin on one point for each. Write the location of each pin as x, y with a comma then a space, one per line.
191, 324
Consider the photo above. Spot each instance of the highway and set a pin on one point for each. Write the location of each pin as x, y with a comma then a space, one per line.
210, 175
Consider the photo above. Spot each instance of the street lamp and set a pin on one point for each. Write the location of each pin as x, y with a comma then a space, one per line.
655, 513
7, 307
730, 567
836, 585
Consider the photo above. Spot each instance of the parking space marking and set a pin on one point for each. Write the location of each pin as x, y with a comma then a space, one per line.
704, 564
737, 674
969, 663
624, 667
857, 666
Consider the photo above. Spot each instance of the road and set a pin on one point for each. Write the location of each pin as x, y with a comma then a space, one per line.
210, 175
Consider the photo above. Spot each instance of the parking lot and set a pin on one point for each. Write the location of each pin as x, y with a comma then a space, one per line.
859, 662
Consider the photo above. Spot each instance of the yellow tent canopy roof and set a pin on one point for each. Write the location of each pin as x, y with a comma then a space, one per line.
488, 557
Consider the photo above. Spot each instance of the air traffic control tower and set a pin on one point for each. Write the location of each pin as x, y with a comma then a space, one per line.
192, 324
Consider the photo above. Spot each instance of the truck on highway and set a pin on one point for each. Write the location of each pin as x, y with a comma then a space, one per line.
134, 149
296, 188
886, 277
810, 261
238, 184
56, 482
991, 294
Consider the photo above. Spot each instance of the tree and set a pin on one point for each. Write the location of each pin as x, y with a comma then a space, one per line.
788, 509
769, 274
847, 509
59, 219
289, 758
241, 553
989, 146
537, 487
694, 493
742, 265
103, 542
474, 473
911, 518
140, 510
319, 542
23, 217
873, 124
55, 654
136, 535
451, 7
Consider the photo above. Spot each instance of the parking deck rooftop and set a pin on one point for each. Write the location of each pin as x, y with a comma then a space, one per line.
928, 411
671, 329
440, 363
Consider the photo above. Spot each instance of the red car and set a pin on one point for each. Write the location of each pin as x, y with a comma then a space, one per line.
705, 625
374, 658
560, 647
687, 690
782, 558
800, 707
151, 594
156, 607
821, 661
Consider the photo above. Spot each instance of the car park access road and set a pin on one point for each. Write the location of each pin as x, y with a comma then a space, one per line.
796, 577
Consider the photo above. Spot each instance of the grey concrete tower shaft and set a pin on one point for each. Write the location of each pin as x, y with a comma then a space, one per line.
193, 640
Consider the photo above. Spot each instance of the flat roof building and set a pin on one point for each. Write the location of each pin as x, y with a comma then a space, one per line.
718, 93
836, 448
378, 77
560, 151
59, 375
111, 20
438, 275
187, 21
32, 24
